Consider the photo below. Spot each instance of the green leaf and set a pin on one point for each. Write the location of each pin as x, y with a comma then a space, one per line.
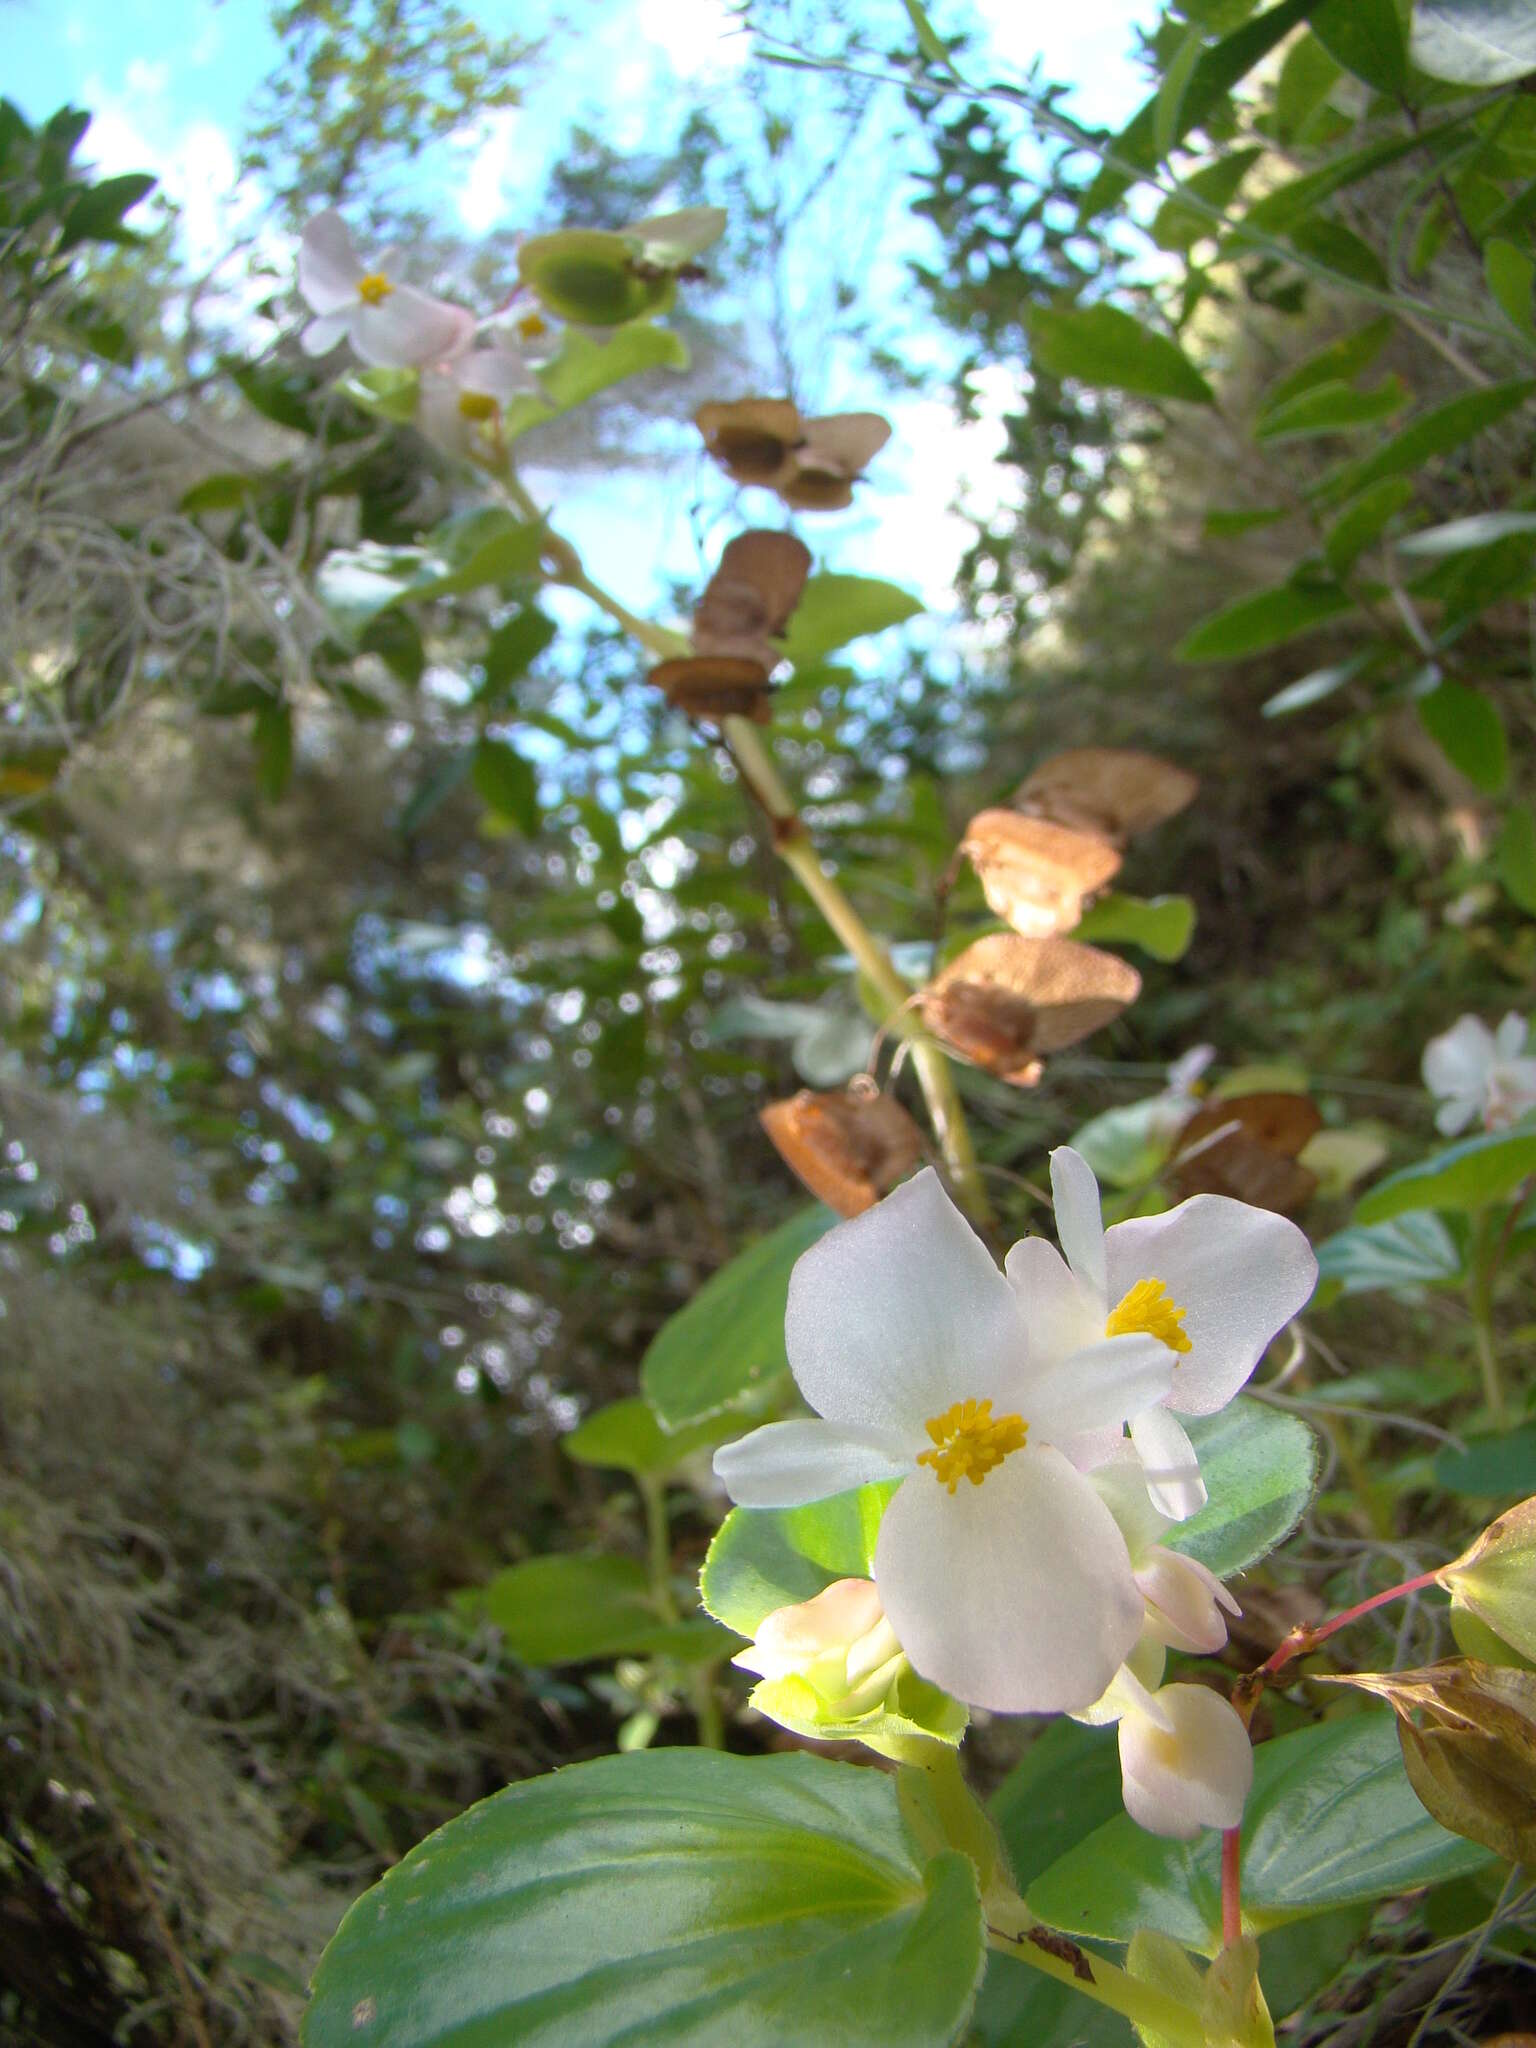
1126, 1146
728, 1343
1340, 362
274, 748
765, 1558
574, 1607
584, 367
387, 393
393, 637
1307, 77
1251, 624
1466, 726
1475, 42
1259, 1468
1331, 1821
1339, 249
1218, 524
1492, 1467
1511, 273
1366, 37
626, 1436
1464, 1177
1514, 857
224, 493
836, 609
511, 651
1066, 1784
438, 782
96, 213
1405, 1253
505, 549
1160, 925
507, 783
927, 37
1312, 688
674, 1896
1434, 433
1364, 521
1332, 408
1458, 536
1104, 347
1178, 223
281, 394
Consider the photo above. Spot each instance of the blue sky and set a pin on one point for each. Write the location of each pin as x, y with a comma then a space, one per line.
168, 82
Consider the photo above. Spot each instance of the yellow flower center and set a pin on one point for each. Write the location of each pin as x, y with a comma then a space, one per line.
1149, 1310
374, 289
533, 327
968, 1443
477, 405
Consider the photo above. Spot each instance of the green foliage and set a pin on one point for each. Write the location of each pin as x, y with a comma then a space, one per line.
1466, 1176
569, 1609
1162, 925
783, 1901
765, 1558
1259, 1469
1103, 346
835, 609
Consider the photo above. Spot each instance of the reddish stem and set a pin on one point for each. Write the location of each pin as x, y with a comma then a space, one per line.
1303, 1638
1231, 1886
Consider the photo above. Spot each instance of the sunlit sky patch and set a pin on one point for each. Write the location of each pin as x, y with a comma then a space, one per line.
169, 81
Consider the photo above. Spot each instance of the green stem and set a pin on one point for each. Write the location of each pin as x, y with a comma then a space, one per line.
706, 1708
793, 846
1014, 1931
658, 1546
1486, 1250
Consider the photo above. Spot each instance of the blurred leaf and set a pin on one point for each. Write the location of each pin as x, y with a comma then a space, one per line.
1312, 688
1339, 363
1466, 726
1364, 520
1409, 1251
1265, 619
224, 493
1493, 1467
388, 394
274, 748
393, 637
584, 367
507, 783
1457, 536
836, 609
1477, 43
1103, 346
1218, 525
927, 38
438, 782
1160, 925
626, 1436
1177, 224
728, 1343
1366, 37
1437, 432
511, 651
1126, 1146
1511, 274
1466, 1176
96, 213
1331, 408
1514, 857
575, 1607
281, 394
506, 548
1340, 250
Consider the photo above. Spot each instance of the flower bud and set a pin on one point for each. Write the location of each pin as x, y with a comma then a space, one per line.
840, 1644
1185, 1762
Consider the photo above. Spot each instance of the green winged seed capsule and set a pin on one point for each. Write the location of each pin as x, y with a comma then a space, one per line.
1496, 1579
594, 278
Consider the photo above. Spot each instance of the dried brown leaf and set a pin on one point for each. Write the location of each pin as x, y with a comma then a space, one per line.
1006, 1000
1116, 791
716, 686
1035, 874
750, 437
848, 1145
1246, 1147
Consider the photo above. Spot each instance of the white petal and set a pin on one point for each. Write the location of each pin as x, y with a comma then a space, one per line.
1199, 1776
1015, 1594
1089, 1449
329, 267
1104, 1383
1172, 1469
1059, 1312
406, 330
786, 1464
326, 333
1239, 1273
1185, 1602
1509, 1039
1121, 1484
899, 1313
494, 372
1511, 1092
438, 415
1456, 1113
1457, 1062
1079, 1219
1132, 1690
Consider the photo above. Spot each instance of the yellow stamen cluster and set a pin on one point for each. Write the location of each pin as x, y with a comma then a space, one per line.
374, 288
532, 327
968, 1444
1149, 1310
477, 405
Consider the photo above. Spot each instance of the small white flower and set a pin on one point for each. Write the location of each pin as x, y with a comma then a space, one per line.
1187, 1605
1480, 1073
388, 323
1186, 1762
1212, 1280
1003, 1573
462, 403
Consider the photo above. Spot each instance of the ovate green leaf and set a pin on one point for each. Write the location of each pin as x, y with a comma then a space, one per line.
1475, 42
1406, 1252
1105, 347
1265, 619
1467, 1176
1259, 1468
1466, 726
836, 609
766, 1558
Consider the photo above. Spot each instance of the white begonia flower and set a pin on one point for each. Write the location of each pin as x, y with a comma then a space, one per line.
1212, 1280
840, 1643
1186, 1762
462, 403
1480, 1073
389, 324
1186, 1603
1011, 1590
